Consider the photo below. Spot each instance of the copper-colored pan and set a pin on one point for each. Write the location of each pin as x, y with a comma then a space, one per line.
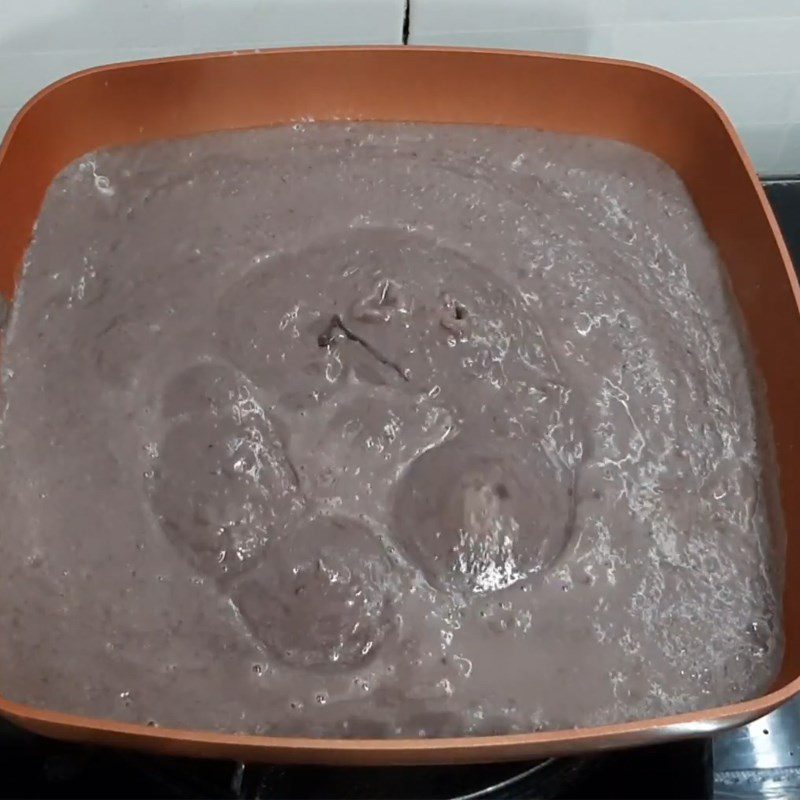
644, 106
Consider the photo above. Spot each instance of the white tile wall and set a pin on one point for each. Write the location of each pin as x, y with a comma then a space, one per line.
792, 144
42, 40
744, 53
669, 10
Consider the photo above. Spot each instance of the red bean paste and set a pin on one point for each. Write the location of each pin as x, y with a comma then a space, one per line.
380, 430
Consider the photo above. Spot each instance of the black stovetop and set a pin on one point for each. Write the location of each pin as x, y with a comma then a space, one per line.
37, 767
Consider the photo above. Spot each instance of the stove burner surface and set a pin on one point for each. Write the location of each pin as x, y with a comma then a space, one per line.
37, 767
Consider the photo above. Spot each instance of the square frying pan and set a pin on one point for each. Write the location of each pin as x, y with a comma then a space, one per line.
646, 107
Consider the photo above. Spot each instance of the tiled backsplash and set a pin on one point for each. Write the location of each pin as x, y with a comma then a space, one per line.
743, 52
42, 40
